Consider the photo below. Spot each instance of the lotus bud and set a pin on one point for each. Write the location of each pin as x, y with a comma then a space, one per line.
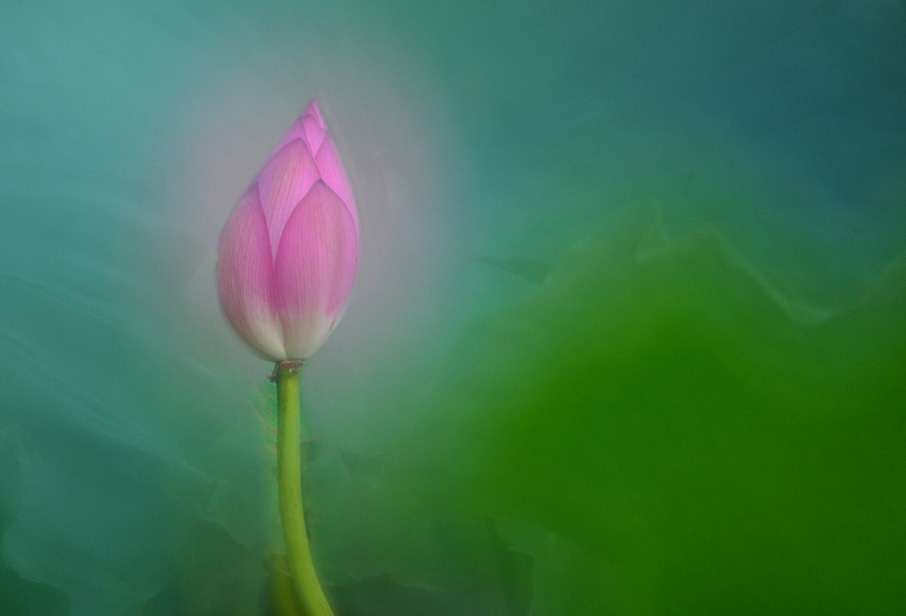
289, 253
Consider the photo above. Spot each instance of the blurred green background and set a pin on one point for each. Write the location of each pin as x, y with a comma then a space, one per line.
629, 335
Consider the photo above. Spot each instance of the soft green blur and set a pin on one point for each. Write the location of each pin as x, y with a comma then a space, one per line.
692, 440
627, 338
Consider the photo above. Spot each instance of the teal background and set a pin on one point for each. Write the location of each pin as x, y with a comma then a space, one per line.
628, 335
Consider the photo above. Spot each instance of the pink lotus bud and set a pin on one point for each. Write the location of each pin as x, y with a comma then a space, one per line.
289, 252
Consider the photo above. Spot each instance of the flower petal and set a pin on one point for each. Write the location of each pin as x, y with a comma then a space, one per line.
315, 268
286, 178
315, 112
309, 126
296, 131
245, 278
314, 133
332, 171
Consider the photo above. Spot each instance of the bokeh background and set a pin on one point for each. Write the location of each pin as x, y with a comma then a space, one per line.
629, 335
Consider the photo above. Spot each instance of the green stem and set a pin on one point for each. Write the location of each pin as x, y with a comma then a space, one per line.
289, 484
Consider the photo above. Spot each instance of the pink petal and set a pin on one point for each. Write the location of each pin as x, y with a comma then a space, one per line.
314, 132
309, 126
245, 278
296, 131
314, 111
286, 178
315, 268
332, 171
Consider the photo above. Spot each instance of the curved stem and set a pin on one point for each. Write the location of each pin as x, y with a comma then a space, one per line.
289, 484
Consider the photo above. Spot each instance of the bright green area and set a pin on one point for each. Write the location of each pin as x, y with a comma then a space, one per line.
655, 430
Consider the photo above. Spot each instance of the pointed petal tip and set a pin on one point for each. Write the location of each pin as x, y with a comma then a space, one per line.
314, 111
299, 130
333, 173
